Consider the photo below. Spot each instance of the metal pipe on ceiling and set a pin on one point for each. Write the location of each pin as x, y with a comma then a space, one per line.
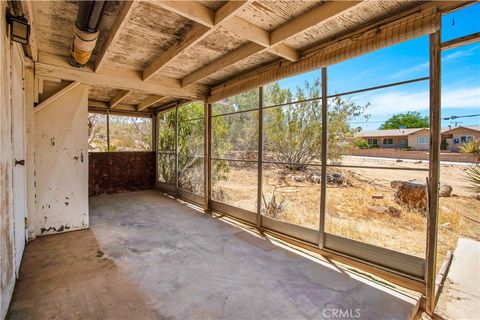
89, 16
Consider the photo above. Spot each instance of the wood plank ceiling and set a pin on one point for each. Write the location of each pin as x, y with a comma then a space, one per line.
151, 53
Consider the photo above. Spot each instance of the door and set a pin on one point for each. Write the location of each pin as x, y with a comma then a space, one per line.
18, 141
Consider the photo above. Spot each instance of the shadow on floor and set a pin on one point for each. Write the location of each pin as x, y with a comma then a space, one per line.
149, 253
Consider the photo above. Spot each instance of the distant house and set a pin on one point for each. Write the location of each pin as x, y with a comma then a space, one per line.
454, 138
415, 138
419, 138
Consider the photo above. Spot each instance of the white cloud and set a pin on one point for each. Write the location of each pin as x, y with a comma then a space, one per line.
425, 65
402, 101
404, 72
461, 53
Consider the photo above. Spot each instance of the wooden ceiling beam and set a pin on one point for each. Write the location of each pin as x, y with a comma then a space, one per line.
260, 36
309, 19
149, 102
191, 10
116, 100
111, 77
275, 38
199, 13
114, 34
222, 62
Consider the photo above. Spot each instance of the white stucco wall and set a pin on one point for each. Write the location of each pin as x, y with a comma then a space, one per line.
61, 163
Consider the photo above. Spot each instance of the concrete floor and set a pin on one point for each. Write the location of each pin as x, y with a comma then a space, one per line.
155, 254
460, 295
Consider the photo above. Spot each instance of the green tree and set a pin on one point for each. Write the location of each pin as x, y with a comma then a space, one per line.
293, 132
190, 146
410, 119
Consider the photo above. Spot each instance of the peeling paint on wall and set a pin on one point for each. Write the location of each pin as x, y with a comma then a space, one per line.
61, 172
7, 267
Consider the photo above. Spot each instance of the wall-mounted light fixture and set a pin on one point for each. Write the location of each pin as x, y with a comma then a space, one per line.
19, 28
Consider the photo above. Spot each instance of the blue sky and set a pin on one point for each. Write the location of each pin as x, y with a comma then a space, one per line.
409, 60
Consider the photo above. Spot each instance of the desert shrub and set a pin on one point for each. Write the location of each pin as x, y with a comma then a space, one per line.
473, 172
361, 143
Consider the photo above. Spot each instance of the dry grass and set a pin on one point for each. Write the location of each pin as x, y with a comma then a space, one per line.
348, 212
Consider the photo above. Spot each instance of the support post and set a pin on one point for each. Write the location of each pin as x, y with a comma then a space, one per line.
155, 143
176, 150
260, 157
207, 174
434, 169
108, 131
208, 159
323, 186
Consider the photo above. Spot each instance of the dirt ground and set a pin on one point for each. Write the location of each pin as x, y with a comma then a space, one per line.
349, 206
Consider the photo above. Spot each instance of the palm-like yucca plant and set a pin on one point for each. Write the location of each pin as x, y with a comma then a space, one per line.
473, 172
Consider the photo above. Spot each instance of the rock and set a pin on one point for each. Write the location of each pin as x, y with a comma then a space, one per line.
418, 162
445, 190
396, 183
399, 160
314, 179
377, 197
476, 196
298, 178
335, 178
390, 210
412, 195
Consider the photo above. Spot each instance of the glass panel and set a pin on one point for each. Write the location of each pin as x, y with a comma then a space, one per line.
97, 132
235, 183
301, 87
461, 22
381, 67
190, 174
193, 110
166, 168
190, 138
293, 133
235, 136
244, 101
166, 130
292, 196
381, 207
190, 158
459, 211
130, 133
380, 125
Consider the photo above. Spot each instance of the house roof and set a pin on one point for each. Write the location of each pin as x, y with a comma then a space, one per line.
390, 132
474, 128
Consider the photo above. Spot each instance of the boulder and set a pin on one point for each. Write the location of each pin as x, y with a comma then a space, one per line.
298, 178
412, 195
390, 210
335, 178
477, 196
445, 190
396, 183
315, 179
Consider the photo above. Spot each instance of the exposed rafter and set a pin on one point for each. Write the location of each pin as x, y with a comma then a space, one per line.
274, 45
121, 21
210, 21
309, 19
115, 101
149, 102
111, 77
